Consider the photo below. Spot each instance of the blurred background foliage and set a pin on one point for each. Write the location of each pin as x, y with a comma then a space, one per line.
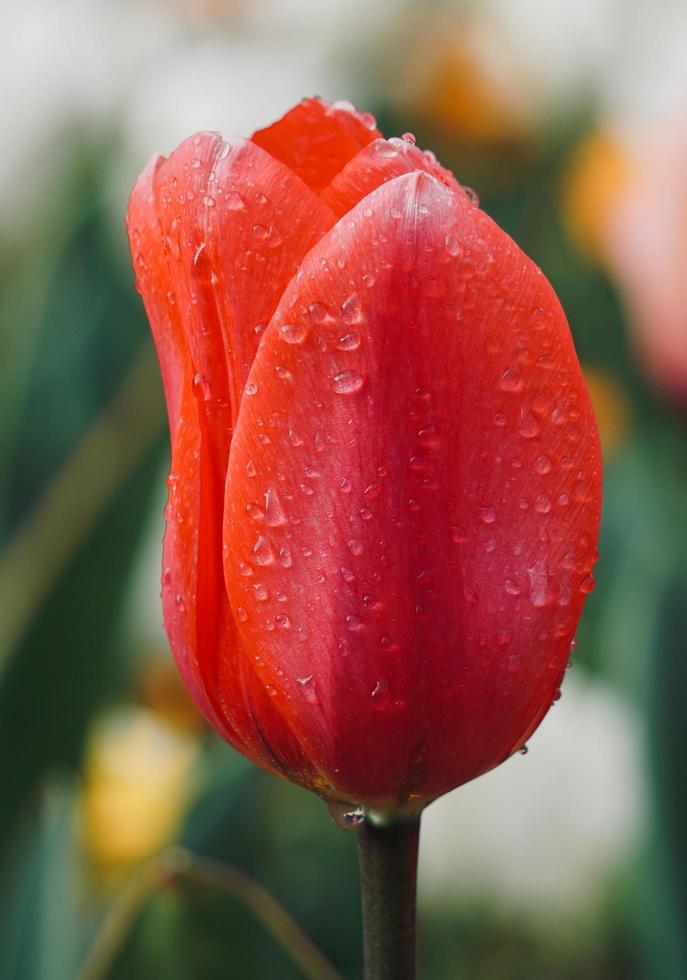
133, 843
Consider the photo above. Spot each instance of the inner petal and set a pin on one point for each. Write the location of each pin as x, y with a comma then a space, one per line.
316, 139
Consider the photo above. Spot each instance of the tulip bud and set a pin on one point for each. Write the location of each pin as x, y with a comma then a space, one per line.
385, 485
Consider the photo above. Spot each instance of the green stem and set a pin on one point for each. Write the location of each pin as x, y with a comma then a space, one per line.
388, 873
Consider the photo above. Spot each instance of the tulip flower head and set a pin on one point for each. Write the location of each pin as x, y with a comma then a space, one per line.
385, 484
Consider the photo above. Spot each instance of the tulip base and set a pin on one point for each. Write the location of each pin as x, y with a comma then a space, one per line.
388, 874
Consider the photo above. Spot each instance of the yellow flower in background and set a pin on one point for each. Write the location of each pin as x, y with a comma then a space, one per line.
138, 773
460, 77
611, 407
593, 181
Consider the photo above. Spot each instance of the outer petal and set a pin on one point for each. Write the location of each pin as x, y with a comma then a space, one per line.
207, 328
377, 163
428, 465
316, 139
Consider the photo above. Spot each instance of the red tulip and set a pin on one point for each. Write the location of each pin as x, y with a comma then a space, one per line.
385, 485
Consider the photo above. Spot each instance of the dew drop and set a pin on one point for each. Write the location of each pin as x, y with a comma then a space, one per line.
274, 512
349, 341
428, 437
529, 426
543, 465
233, 201
487, 515
542, 504
293, 333
344, 816
351, 311
347, 382
251, 388
511, 380
452, 245
201, 388
539, 584
262, 552
317, 312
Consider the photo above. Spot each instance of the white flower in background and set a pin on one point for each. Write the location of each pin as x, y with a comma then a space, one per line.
65, 69
80, 69
540, 836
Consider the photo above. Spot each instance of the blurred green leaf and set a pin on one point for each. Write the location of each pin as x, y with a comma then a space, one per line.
66, 661
664, 905
39, 924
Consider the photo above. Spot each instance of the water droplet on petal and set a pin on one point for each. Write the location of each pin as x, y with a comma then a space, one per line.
262, 552
347, 382
349, 341
274, 512
511, 379
293, 333
452, 245
351, 311
539, 584
201, 388
542, 504
344, 816
233, 201
529, 425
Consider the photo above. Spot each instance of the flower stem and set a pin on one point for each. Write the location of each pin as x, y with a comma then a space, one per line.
388, 873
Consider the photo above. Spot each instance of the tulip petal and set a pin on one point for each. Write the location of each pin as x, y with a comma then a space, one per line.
207, 327
377, 163
316, 139
414, 548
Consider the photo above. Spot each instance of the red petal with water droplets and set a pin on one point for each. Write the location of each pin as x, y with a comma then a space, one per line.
316, 139
377, 163
217, 231
419, 534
